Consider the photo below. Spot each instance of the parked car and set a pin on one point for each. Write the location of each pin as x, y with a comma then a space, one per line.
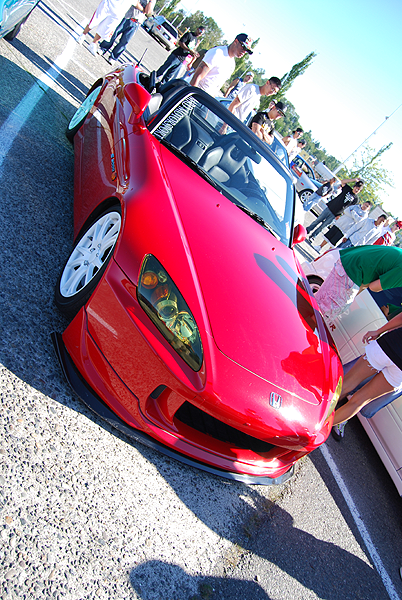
147, 24
164, 32
306, 180
384, 428
183, 254
13, 14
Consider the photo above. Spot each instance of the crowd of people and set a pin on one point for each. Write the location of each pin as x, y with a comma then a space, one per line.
366, 257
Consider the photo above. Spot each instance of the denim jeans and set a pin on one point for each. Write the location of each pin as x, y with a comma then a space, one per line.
347, 244
314, 199
325, 218
168, 68
126, 29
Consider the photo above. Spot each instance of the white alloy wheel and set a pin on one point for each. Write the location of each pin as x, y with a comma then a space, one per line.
90, 254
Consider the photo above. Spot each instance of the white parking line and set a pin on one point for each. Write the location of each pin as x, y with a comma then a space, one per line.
18, 117
392, 593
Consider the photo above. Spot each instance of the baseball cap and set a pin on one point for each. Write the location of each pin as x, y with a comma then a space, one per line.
399, 223
245, 42
280, 106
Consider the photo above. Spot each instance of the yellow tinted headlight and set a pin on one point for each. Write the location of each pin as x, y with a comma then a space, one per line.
334, 399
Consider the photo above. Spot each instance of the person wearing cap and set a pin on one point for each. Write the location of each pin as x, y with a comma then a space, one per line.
186, 47
336, 206
388, 236
290, 142
237, 84
262, 124
249, 97
219, 63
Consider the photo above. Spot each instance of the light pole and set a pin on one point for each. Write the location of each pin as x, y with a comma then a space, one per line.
367, 138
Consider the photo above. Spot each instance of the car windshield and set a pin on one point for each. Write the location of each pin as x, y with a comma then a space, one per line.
277, 147
232, 159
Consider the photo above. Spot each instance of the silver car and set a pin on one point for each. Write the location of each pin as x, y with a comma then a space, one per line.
164, 32
306, 180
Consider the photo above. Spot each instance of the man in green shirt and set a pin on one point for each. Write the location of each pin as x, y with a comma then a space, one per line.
375, 267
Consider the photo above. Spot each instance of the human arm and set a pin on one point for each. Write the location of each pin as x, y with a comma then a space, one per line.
149, 9
262, 133
286, 139
345, 181
232, 85
389, 326
201, 71
183, 43
234, 103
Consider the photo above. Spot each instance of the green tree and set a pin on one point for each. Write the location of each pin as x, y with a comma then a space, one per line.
213, 35
168, 9
368, 167
289, 78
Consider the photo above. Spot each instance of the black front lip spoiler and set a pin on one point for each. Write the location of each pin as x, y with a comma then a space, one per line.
94, 403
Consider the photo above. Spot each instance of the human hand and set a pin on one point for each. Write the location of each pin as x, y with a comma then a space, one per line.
370, 336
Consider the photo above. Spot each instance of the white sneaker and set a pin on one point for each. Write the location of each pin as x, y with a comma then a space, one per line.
80, 39
93, 48
317, 248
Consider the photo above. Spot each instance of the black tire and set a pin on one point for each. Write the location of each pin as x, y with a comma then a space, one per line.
315, 282
87, 262
82, 112
13, 34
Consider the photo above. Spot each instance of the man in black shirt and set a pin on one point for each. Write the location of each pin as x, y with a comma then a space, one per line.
336, 206
262, 124
187, 45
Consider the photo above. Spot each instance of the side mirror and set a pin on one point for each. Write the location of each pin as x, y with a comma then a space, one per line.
299, 234
138, 98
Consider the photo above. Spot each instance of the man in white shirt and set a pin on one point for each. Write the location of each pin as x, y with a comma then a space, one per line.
219, 63
249, 97
290, 142
105, 20
237, 84
364, 233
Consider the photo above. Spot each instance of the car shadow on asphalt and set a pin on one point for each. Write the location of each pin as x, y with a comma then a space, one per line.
166, 580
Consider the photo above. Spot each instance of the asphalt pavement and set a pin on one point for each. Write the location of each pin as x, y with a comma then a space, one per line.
84, 512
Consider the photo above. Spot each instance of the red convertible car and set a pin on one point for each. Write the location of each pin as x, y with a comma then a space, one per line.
193, 327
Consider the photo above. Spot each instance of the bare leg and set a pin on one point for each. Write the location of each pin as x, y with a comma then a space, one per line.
358, 373
86, 30
97, 37
376, 387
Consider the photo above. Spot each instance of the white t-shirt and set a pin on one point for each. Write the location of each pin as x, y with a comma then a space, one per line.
292, 148
221, 67
249, 98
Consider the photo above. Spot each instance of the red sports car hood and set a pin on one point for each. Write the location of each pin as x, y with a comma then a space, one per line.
258, 306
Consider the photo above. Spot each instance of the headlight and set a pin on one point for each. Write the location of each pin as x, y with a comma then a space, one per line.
334, 399
165, 306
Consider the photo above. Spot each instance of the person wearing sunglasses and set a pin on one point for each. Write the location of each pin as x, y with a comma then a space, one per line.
263, 123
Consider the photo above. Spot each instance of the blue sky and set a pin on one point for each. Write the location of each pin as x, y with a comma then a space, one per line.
354, 82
